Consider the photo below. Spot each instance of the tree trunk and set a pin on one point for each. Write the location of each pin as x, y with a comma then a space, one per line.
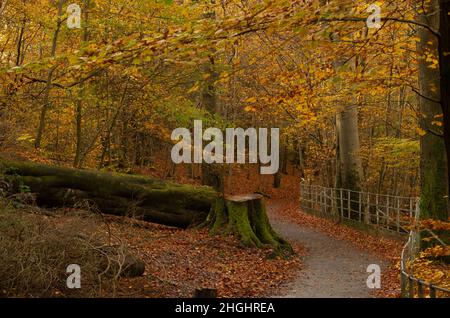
349, 170
151, 200
444, 67
245, 217
48, 84
432, 149
349, 163
211, 173
79, 102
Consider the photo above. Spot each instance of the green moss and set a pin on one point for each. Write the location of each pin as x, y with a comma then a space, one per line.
219, 216
433, 201
239, 223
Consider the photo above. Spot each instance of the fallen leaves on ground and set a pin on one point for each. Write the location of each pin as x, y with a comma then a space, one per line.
430, 266
179, 261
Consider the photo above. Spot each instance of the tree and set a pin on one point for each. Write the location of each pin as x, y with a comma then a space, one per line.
433, 176
48, 83
444, 69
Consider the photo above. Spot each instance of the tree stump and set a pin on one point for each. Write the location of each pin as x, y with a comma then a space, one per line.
245, 217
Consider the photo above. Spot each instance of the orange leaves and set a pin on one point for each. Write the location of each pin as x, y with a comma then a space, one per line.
179, 261
435, 225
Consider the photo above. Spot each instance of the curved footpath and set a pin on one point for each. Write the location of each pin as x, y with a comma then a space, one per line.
332, 268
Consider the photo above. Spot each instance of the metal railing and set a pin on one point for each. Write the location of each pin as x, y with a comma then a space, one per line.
413, 287
392, 213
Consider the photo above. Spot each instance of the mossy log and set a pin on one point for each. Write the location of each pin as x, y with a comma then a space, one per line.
149, 199
245, 217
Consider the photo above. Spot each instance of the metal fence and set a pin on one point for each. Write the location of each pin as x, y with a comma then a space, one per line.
392, 213
411, 286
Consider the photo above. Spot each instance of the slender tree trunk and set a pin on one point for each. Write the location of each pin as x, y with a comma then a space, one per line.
212, 174
48, 84
444, 67
79, 103
432, 149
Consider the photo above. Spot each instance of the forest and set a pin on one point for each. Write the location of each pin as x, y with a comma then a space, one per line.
224, 148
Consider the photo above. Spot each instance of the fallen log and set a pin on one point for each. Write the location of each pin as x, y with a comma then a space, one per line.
148, 199
124, 195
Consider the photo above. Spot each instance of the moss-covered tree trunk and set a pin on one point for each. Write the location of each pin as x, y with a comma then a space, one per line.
245, 217
149, 199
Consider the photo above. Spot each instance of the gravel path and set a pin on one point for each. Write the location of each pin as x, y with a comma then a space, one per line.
332, 269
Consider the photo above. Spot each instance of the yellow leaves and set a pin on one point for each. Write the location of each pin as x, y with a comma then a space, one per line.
26, 138
421, 132
432, 61
437, 123
251, 100
194, 88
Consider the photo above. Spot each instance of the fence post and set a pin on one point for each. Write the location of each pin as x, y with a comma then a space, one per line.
420, 289
360, 206
404, 284
342, 205
398, 215
387, 217
349, 204
367, 216
411, 287
377, 212
432, 291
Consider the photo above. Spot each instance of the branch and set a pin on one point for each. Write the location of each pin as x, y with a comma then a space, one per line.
356, 19
425, 97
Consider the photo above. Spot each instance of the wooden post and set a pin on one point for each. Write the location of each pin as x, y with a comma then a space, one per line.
367, 216
420, 289
411, 287
205, 293
342, 204
331, 203
376, 209
404, 284
360, 206
398, 215
387, 217
411, 207
348, 203
432, 291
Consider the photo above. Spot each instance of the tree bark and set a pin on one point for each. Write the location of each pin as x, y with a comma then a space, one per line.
444, 67
48, 84
149, 199
349, 163
245, 217
432, 149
